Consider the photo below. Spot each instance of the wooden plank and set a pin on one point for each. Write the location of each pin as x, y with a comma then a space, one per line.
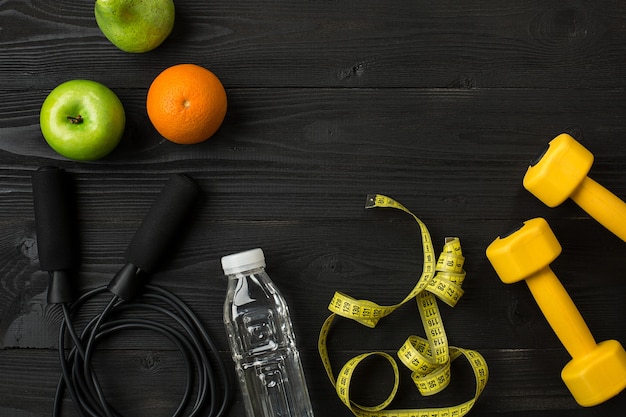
29, 382
290, 151
473, 44
377, 260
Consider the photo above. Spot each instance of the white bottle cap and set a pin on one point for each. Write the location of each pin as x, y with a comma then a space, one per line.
243, 261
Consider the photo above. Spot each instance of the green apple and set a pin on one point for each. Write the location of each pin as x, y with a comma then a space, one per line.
82, 120
135, 25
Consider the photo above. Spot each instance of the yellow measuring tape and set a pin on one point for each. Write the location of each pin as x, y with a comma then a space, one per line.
428, 358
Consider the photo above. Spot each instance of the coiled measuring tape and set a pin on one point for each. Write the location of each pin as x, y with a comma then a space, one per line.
428, 358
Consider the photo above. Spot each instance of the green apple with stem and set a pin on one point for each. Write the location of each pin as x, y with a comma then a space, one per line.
82, 120
135, 25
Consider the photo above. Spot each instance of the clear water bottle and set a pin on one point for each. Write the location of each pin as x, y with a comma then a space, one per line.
262, 340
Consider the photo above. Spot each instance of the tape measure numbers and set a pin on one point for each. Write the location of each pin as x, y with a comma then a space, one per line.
429, 358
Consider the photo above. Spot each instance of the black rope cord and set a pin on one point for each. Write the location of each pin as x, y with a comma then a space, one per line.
207, 390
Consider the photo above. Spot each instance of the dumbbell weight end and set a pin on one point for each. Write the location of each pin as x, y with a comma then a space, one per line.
598, 376
560, 172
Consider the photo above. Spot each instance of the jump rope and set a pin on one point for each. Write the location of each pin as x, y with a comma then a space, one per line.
207, 387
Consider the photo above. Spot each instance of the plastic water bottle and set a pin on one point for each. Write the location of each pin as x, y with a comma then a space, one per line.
262, 340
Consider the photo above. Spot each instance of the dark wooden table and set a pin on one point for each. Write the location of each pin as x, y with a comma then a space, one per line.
439, 105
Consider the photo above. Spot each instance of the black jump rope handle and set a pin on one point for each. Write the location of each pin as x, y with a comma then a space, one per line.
156, 233
57, 237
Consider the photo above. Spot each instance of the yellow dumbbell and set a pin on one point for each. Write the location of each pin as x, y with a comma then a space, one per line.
596, 372
561, 172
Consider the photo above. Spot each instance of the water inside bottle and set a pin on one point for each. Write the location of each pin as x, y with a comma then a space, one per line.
263, 347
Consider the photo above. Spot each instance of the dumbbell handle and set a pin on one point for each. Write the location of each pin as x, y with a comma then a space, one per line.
561, 313
601, 204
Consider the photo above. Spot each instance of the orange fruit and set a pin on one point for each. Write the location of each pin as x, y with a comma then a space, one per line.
186, 103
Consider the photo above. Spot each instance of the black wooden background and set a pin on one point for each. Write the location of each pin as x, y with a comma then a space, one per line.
438, 104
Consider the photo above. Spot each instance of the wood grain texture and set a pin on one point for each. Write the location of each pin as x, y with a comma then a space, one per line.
563, 44
336, 44
439, 105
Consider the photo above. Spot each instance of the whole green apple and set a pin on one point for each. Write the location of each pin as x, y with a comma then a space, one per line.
135, 25
82, 120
